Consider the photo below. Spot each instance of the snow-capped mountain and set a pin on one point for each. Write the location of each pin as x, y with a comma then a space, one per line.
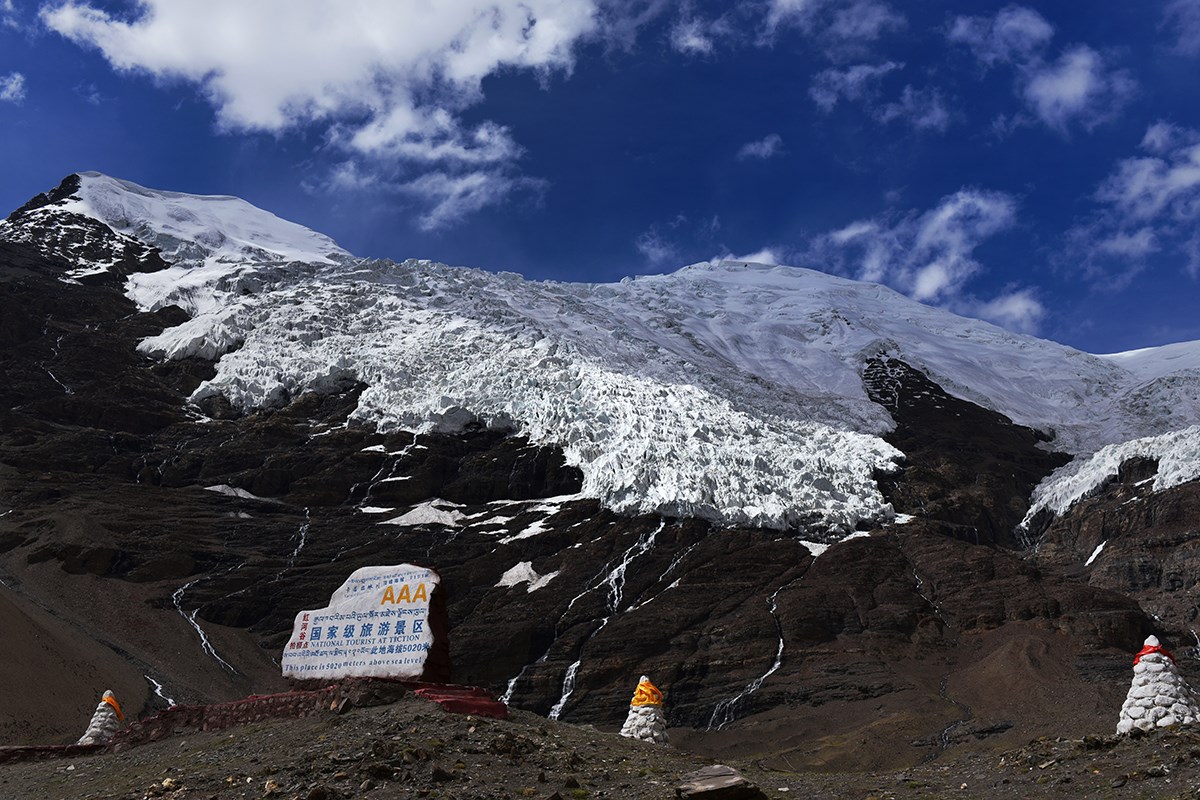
728, 391
186, 228
211, 416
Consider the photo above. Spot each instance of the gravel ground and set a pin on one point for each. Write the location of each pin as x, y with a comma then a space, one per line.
412, 749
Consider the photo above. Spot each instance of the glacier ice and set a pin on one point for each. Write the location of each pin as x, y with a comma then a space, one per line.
728, 391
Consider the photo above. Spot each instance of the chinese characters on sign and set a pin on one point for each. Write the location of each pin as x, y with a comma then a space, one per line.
376, 624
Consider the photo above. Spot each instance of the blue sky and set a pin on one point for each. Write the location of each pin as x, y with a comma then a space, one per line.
1035, 165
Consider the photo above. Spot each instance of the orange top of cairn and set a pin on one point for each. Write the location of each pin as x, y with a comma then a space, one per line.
647, 694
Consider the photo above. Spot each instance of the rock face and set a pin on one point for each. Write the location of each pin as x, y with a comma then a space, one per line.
1127, 538
964, 464
165, 547
1158, 696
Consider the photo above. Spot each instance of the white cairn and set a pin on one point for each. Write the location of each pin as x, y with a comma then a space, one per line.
1158, 697
645, 722
105, 722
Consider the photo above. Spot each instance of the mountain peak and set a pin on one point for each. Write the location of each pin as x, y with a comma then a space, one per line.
199, 228
186, 229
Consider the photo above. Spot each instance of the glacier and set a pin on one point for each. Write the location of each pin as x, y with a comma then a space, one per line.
726, 390
1177, 454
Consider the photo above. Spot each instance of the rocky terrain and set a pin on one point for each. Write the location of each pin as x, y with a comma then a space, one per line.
411, 749
161, 547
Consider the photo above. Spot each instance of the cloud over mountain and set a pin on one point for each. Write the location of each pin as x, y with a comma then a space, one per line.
1148, 205
386, 86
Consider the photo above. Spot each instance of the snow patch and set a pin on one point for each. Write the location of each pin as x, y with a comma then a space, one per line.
428, 513
538, 526
816, 548
1099, 549
233, 491
523, 572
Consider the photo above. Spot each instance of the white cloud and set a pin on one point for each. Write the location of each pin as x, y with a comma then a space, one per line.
763, 148
454, 196
1183, 17
691, 36
385, 80
619, 22
680, 240
1162, 137
1149, 205
1077, 87
921, 108
1018, 310
429, 135
930, 255
12, 88
654, 247
8, 15
843, 29
855, 82
1135, 244
1191, 254
89, 93
349, 176
853, 231
1156, 187
842, 26
791, 12
1015, 34
767, 255
864, 20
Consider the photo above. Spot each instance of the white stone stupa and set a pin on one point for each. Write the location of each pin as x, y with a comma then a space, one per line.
645, 720
106, 721
1159, 697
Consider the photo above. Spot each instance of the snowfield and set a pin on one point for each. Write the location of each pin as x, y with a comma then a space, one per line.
728, 391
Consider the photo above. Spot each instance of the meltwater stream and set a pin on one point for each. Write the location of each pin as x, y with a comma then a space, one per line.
725, 711
614, 580
205, 644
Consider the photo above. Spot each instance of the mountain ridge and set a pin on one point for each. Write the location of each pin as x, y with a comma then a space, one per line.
751, 350
166, 534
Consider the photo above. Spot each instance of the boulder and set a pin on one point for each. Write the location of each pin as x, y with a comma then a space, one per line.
718, 782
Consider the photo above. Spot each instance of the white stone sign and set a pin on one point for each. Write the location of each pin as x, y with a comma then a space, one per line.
376, 624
